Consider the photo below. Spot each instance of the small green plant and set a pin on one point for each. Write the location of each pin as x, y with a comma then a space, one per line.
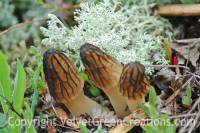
100, 130
36, 74
92, 89
15, 106
158, 123
187, 100
83, 128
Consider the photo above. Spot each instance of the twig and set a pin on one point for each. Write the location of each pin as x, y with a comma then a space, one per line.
182, 130
69, 127
170, 66
197, 125
179, 10
173, 96
194, 105
193, 124
195, 77
19, 25
183, 115
186, 41
54, 109
68, 6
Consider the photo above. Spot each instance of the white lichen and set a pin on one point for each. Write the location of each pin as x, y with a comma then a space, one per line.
128, 34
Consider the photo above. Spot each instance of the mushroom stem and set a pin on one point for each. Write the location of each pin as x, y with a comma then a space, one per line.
118, 102
133, 104
81, 105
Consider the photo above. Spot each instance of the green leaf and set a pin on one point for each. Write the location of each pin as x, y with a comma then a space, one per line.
150, 110
167, 127
84, 76
153, 99
170, 129
100, 130
14, 127
189, 92
19, 87
29, 71
187, 100
164, 125
150, 129
94, 91
28, 114
40, 84
188, 1
41, 2
33, 50
35, 99
5, 82
83, 128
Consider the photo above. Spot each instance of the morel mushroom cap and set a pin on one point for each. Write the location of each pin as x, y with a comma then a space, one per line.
134, 84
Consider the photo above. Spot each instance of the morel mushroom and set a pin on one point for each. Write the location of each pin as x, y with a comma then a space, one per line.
65, 83
104, 72
134, 84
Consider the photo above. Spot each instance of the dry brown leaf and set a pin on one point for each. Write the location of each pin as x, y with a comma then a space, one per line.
163, 78
61, 114
188, 51
51, 129
124, 128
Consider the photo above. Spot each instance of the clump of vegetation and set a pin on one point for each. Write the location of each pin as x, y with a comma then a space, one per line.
14, 104
163, 121
128, 33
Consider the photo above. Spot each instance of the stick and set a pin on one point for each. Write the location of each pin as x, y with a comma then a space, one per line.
183, 115
19, 25
194, 105
179, 10
186, 41
193, 124
169, 66
183, 130
173, 96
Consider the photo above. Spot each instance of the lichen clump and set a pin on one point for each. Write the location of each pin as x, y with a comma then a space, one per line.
128, 33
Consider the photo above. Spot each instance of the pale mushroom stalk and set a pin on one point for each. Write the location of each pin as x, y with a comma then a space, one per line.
65, 83
117, 101
134, 84
81, 105
133, 103
104, 72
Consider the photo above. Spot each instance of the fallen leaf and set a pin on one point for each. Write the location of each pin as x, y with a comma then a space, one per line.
61, 114
188, 51
163, 78
124, 128
51, 129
